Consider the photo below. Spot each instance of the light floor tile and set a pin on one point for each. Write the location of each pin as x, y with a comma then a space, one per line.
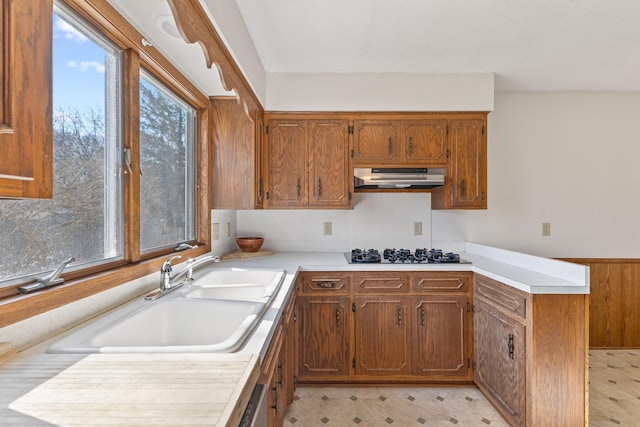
614, 400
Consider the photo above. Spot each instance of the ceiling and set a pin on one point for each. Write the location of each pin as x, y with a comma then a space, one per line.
528, 44
590, 45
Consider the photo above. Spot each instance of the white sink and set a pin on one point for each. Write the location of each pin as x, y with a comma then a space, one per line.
238, 276
179, 323
168, 325
216, 312
231, 292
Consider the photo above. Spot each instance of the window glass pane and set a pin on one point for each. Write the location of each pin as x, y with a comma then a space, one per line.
167, 141
83, 220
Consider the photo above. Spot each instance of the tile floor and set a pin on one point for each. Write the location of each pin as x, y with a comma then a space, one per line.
614, 401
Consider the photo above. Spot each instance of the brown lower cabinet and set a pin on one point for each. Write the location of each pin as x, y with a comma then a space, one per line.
277, 371
527, 353
531, 354
382, 327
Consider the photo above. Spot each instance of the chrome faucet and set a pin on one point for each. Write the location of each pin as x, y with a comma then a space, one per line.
170, 282
193, 263
50, 279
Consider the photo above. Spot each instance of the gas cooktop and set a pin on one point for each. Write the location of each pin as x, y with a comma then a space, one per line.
403, 256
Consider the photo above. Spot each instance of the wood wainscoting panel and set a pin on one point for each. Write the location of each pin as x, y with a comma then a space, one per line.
614, 301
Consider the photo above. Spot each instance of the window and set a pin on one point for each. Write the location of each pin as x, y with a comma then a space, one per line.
97, 215
167, 143
82, 219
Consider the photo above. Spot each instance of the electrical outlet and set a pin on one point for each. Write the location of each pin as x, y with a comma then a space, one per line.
215, 231
327, 228
417, 228
228, 229
546, 229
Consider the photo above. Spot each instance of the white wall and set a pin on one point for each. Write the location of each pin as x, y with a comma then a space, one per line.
568, 158
379, 92
376, 221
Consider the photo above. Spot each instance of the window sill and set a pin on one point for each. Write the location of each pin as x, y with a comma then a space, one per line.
19, 307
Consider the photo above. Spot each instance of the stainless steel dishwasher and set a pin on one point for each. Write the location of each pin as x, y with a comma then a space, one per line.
256, 413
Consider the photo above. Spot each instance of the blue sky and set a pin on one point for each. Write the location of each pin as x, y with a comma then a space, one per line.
78, 69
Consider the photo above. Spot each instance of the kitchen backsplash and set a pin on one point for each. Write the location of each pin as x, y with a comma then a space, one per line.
378, 220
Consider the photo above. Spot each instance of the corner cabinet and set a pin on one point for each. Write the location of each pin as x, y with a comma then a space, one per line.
307, 163
466, 176
26, 129
236, 162
530, 354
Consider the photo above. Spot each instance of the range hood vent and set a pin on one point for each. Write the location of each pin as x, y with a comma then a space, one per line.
398, 178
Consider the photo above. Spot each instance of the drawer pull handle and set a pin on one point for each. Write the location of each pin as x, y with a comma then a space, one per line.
298, 188
390, 147
510, 346
327, 285
337, 318
399, 316
319, 187
410, 145
423, 316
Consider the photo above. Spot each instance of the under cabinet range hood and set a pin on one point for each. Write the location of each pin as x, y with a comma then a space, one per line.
398, 178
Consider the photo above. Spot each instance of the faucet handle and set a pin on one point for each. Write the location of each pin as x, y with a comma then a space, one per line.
166, 265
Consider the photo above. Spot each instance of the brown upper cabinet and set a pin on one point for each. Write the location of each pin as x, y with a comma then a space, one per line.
307, 163
400, 142
466, 177
26, 129
236, 163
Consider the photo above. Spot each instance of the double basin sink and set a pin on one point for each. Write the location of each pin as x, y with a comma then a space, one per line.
216, 312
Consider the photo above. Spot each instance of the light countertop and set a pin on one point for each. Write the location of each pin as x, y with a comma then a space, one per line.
27, 381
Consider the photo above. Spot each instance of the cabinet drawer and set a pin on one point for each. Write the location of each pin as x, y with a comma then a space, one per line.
333, 282
501, 296
381, 282
441, 281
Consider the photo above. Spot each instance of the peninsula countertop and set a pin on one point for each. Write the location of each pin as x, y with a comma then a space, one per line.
24, 379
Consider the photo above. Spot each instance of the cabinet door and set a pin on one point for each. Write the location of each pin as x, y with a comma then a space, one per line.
425, 141
287, 163
375, 142
26, 130
467, 169
233, 172
382, 336
441, 337
499, 352
329, 175
323, 337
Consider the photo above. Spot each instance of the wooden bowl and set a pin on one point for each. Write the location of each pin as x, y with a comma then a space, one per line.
249, 244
